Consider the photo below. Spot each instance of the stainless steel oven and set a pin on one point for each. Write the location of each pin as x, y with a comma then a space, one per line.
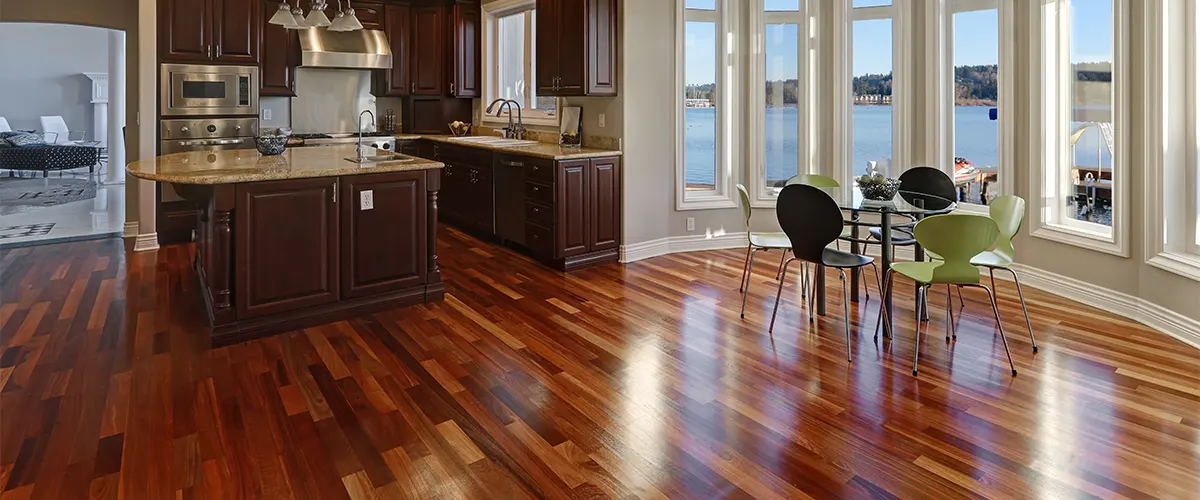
207, 134
192, 90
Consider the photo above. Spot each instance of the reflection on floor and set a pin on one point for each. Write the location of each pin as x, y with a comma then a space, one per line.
65, 206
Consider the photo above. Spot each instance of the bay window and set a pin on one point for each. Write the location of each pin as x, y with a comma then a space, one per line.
509, 52
705, 105
1080, 170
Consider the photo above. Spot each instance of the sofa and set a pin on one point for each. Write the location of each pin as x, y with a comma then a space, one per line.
24, 151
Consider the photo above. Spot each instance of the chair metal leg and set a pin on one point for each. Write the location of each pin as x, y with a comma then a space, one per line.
950, 316
1024, 309
749, 276
996, 311
778, 294
803, 280
992, 273
782, 257
745, 269
883, 317
846, 313
922, 291
812, 301
960, 300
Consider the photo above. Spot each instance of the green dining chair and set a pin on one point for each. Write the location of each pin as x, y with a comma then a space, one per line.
814, 180
757, 242
956, 238
1009, 213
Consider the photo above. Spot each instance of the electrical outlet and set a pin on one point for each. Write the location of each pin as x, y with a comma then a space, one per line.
691, 223
601, 120
366, 200
266, 114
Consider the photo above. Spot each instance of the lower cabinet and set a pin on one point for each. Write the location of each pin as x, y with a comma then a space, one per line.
286, 245
383, 220
566, 213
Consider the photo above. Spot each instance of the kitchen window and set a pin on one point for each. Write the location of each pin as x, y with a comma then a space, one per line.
508, 68
704, 149
1080, 153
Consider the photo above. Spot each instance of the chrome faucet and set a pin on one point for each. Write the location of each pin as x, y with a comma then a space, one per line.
363, 157
512, 131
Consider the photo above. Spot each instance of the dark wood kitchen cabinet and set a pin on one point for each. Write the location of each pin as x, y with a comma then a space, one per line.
465, 31
279, 57
383, 245
397, 23
286, 245
209, 31
577, 47
370, 14
604, 193
571, 204
428, 50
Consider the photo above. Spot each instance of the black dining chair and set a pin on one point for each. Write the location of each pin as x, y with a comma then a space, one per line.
914, 183
812, 220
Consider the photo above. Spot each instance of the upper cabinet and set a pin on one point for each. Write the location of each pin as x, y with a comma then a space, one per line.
576, 47
465, 30
370, 14
209, 31
397, 23
280, 55
427, 64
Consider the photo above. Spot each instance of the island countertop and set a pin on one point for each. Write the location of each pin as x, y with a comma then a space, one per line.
247, 165
540, 150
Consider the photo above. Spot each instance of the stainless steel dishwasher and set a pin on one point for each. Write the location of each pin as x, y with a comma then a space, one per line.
509, 184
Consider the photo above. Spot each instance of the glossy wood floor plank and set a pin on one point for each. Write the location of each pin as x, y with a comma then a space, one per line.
635, 381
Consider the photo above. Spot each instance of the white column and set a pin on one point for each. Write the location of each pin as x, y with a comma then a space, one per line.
100, 105
147, 121
116, 107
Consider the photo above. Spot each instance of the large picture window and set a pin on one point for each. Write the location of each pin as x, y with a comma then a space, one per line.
872, 45
1081, 178
705, 108
779, 104
509, 48
974, 93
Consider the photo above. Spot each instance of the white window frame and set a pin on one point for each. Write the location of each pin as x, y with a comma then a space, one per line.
1173, 71
492, 12
1051, 19
728, 109
941, 115
761, 195
844, 16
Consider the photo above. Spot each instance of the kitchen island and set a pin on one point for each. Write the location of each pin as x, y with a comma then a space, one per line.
306, 237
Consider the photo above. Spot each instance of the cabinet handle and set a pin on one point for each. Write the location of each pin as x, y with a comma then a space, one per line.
333, 188
535, 210
412, 88
218, 51
513, 164
208, 51
451, 88
535, 168
535, 189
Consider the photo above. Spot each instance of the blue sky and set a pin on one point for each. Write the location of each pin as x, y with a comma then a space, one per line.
975, 40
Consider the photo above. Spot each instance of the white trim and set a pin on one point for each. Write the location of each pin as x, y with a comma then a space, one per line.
491, 13
146, 242
1051, 17
131, 229
1185, 265
680, 244
728, 109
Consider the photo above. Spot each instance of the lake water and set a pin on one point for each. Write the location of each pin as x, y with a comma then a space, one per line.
976, 139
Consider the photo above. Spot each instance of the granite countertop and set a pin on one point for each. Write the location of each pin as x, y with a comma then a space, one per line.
247, 165
540, 150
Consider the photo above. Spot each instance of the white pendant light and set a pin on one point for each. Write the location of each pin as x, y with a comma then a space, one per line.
283, 16
316, 16
298, 14
339, 19
352, 23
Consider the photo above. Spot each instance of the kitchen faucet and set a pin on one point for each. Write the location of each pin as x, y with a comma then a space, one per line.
512, 131
362, 157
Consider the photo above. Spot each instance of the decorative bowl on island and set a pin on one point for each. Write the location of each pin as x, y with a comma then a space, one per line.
877, 187
271, 145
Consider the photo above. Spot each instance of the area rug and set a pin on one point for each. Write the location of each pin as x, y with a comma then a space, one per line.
20, 194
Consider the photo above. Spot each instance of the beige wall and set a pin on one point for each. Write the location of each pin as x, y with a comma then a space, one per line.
112, 14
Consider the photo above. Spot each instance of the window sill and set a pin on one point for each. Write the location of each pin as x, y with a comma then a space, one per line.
710, 202
1090, 240
1186, 265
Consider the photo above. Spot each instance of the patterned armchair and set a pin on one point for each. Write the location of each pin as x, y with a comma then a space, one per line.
21, 151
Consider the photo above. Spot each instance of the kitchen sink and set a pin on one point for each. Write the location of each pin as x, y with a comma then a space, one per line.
389, 158
495, 141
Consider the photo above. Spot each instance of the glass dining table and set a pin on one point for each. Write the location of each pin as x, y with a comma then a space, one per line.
907, 206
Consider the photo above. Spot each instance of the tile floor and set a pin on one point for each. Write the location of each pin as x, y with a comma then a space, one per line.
97, 217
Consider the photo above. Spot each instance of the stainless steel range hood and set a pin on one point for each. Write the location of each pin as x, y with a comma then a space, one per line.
362, 49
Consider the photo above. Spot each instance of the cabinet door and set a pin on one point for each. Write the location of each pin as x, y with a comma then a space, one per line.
383, 245
428, 51
571, 200
184, 31
451, 195
286, 246
572, 47
604, 196
547, 47
466, 51
277, 62
371, 15
397, 80
602, 48
235, 31
481, 202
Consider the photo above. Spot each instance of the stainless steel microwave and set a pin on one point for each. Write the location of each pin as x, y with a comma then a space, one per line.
191, 90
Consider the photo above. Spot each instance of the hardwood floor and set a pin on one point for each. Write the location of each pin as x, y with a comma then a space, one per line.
615, 382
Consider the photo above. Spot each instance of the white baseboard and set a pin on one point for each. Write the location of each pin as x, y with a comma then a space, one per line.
1181, 327
131, 230
680, 244
146, 242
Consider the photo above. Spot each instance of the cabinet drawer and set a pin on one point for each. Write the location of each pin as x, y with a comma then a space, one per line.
539, 214
540, 240
535, 168
541, 193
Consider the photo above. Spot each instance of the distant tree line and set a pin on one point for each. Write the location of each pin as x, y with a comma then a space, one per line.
975, 85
